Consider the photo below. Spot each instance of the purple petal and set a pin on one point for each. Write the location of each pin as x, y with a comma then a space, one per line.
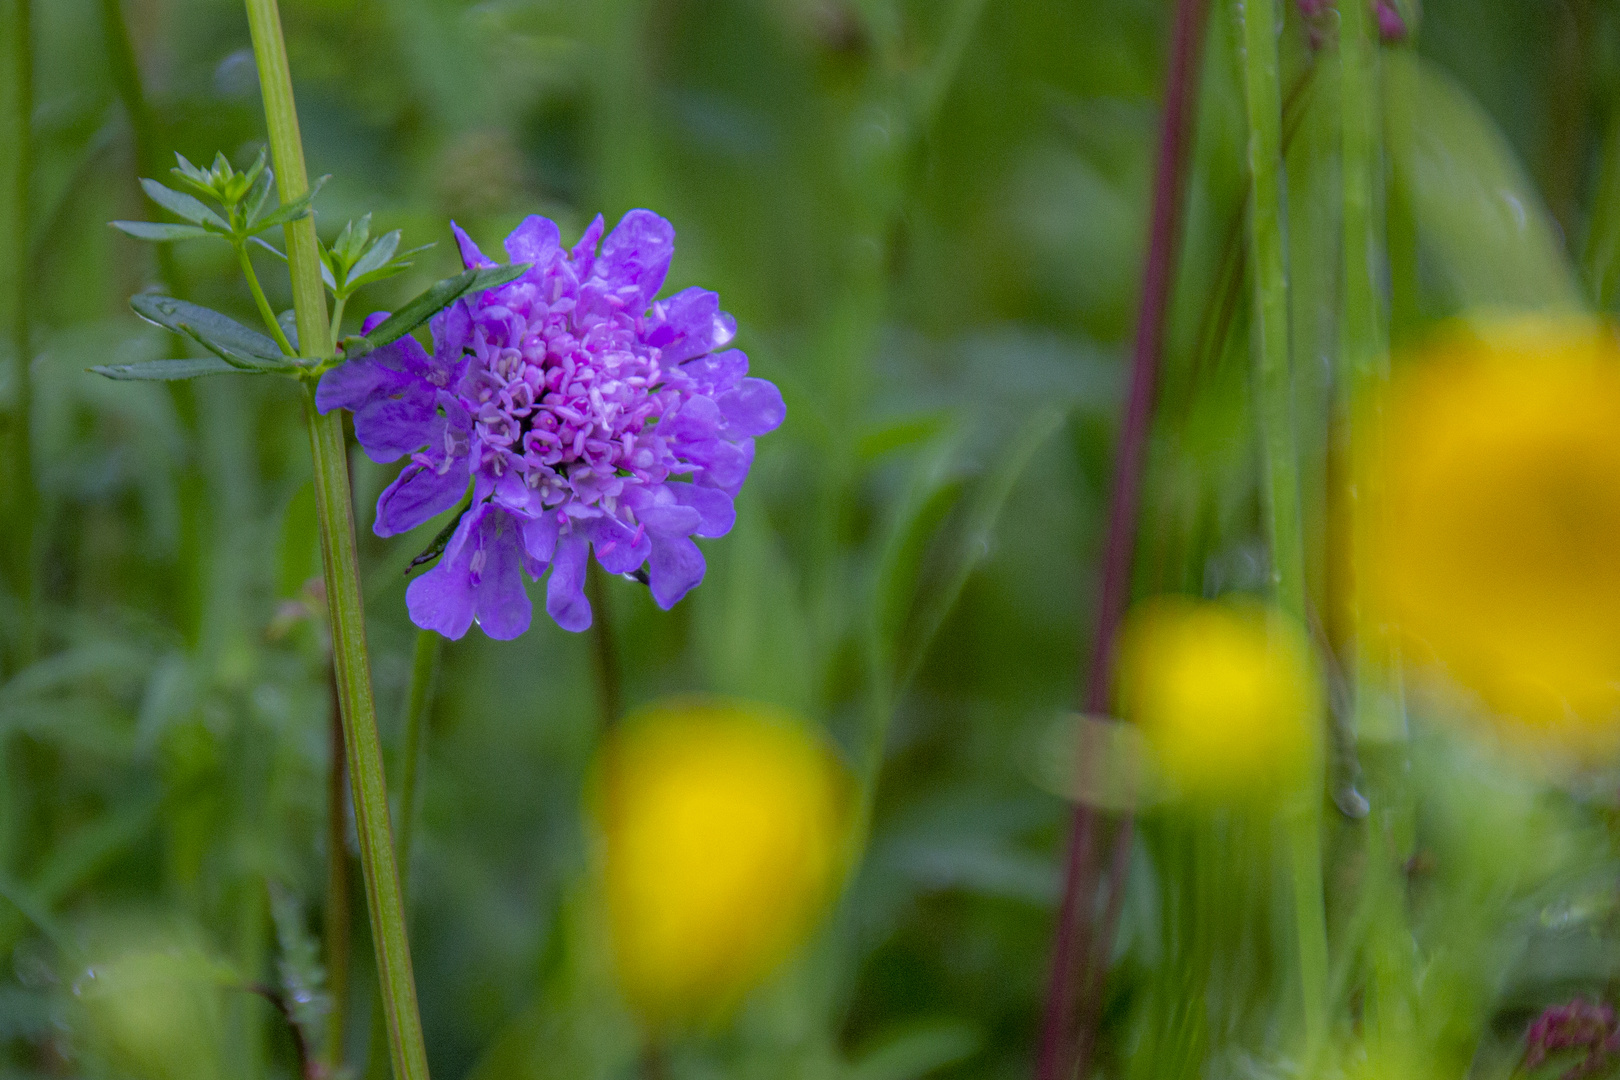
502, 608
637, 252
374, 320
443, 598
716, 512
726, 466
718, 372
417, 494
397, 424
470, 255
619, 548
693, 325
753, 408
698, 420
451, 328
352, 384
565, 589
583, 254
536, 241
675, 567
540, 542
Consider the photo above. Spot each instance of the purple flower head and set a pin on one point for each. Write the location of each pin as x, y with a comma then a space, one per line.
587, 417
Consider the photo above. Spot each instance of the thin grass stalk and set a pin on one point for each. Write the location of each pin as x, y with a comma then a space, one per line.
1175, 141
24, 501
337, 926
335, 512
425, 659
1280, 489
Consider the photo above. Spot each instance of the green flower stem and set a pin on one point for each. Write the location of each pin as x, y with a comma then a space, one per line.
23, 504
1280, 486
334, 507
266, 312
337, 315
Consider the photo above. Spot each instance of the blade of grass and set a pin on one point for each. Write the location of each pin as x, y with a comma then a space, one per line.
1280, 491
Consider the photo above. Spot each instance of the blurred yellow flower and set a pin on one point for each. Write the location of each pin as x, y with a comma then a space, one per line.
1226, 694
724, 828
1495, 545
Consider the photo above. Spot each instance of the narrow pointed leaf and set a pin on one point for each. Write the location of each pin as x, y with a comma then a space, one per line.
166, 370
430, 303
161, 231
292, 211
183, 205
260, 192
378, 256
235, 357
207, 325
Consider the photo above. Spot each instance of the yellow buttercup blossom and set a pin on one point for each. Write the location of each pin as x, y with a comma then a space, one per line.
1226, 694
723, 827
1495, 546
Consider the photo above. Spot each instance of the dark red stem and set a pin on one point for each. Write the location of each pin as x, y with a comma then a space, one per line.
1057, 1038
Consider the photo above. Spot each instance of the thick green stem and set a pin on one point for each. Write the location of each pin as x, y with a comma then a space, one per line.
1280, 485
23, 508
266, 312
335, 510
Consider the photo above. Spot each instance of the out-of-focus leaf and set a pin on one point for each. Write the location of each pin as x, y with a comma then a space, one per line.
1477, 214
1096, 760
303, 979
167, 370
161, 232
182, 205
915, 1053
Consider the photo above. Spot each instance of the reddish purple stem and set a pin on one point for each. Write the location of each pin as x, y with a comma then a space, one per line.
1060, 1053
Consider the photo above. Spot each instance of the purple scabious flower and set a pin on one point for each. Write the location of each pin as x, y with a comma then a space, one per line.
586, 416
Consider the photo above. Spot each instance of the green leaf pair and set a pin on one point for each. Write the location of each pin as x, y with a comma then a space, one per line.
236, 348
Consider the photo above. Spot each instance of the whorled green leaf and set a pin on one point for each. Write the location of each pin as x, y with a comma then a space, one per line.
428, 304
1477, 214
160, 231
281, 215
186, 206
166, 370
209, 327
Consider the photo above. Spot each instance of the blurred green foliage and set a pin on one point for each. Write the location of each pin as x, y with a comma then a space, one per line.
928, 219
